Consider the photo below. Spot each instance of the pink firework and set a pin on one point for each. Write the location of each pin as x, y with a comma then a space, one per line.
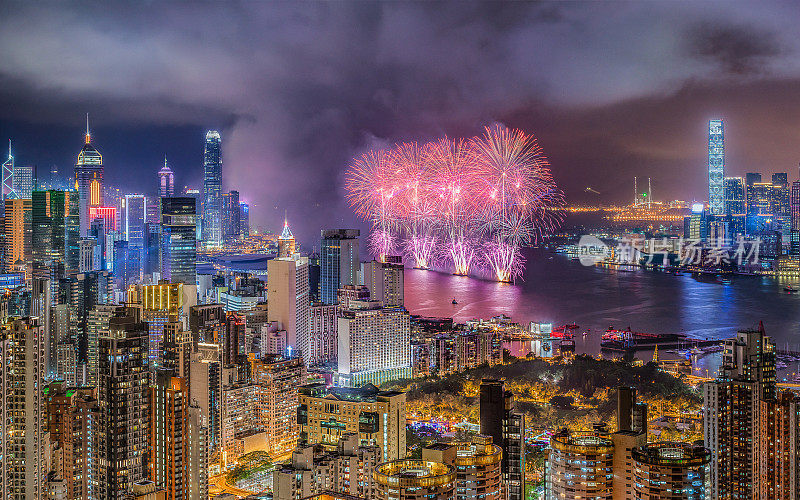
418, 210
372, 194
517, 196
454, 187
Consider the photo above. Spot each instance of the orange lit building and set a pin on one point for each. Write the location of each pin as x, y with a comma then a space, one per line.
779, 464
169, 413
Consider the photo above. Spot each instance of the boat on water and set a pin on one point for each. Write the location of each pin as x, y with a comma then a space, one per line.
625, 340
726, 281
454, 301
790, 289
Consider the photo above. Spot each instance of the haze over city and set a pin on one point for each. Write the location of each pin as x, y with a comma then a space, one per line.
611, 90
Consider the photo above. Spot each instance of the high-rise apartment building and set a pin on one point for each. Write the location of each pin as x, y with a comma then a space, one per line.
179, 245
716, 167
631, 432
408, 479
324, 343
166, 181
339, 262
198, 453
349, 470
506, 426
384, 280
781, 194
124, 381
671, 471
477, 465
287, 301
23, 409
212, 189
374, 344
18, 235
731, 423
779, 454
168, 463
89, 181
206, 389
233, 341
378, 417
580, 465
71, 421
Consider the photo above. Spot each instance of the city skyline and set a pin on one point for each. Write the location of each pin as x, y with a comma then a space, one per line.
640, 112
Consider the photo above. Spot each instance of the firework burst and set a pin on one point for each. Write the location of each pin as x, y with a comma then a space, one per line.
473, 203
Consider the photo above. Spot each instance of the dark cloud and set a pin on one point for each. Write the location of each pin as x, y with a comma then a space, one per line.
611, 89
736, 49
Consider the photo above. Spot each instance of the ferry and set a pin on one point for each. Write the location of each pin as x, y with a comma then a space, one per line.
454, 301
790, 289
626, 340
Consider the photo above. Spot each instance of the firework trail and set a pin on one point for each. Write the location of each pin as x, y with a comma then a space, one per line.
418, 211
517, 195
453, 184
372, 194
485, 197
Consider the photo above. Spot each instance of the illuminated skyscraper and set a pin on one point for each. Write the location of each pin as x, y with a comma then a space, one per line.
794, 239
17, 244
731, 404
780, 195
135, 216
287, 296
716, 167
244, 220
88, 180
123, 399
286, 244
8, 175
734, 196
339, 262
230, 216
54, 224
212, 189
23, 181
166, 181
179, 244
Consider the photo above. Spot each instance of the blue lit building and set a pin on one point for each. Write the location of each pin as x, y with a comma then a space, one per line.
339, 262
212, 190
244, 220
179, 243
135, 218
716, 167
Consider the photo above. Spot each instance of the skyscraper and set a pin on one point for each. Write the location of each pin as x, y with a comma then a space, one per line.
166, 181
54, 225
22, 398
716, 167
8, 175
506, 426
135, 218
731, 423
17, 243
23, 180
384, 280
123, 400
88, 180
244, 220
794, 215
735, 200
374, 344
286, 244
339, 262
287, 298
179, 245
169, 434
230, 216
212, 189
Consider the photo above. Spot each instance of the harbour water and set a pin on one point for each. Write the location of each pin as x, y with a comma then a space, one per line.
560, 290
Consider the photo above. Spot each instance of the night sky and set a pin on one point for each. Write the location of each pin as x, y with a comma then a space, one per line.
611, 89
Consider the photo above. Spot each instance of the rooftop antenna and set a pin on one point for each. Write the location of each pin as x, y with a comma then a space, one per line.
635, 192
88, 137
9, 149
649, 194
